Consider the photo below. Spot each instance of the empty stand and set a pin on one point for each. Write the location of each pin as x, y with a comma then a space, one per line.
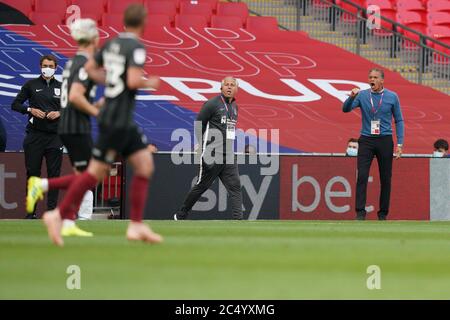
236, 9
192, 20
115, 6
58, 7
24, 6
45, 18
201, 9
167, 8
226, 22
262, 24
114, 20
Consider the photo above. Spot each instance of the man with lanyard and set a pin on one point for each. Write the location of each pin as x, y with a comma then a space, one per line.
218, 118
378, 105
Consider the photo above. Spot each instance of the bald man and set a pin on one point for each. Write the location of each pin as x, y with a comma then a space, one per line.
218, 118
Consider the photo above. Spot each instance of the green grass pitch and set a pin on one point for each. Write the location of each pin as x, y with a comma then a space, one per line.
230, 260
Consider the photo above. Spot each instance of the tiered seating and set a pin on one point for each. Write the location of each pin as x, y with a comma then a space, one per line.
24, 6
419, 15
168, 13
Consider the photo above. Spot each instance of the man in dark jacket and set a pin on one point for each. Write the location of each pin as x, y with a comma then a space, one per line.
43, 110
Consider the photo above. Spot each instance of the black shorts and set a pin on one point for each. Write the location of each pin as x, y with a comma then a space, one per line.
112, 142
79, 147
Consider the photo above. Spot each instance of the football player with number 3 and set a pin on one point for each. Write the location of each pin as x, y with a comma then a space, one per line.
120, 66
77, 93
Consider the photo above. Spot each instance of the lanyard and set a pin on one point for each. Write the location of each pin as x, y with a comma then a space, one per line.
374, 111
226, 106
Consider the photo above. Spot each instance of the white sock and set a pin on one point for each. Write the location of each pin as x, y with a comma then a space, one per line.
44, 184
68, 223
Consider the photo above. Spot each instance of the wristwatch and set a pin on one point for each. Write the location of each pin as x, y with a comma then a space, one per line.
399, 145
28, 109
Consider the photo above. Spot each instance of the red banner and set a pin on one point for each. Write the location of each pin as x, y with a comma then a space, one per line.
323, 188
13, 185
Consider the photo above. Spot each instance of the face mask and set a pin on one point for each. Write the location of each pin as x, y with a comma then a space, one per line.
438, 154
48, 72
352, 152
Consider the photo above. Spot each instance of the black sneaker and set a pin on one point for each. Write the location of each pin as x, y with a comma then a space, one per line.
31, 216
237, 217
361, 215
180, 215
382, 216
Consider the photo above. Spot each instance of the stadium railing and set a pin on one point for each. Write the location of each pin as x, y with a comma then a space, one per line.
418, 57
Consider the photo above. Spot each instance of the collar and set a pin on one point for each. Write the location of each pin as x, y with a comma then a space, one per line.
45, 81
226, 99
127, 35
82, 53
379, 92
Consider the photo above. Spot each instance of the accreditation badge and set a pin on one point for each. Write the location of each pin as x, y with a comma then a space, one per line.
231, 129
375, 127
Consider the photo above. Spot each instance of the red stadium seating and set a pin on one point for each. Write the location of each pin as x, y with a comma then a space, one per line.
226, 22
175, 2
157, 20
191, 20
167, 8
114, 20
201, 9
264, 24
438, 19
212, 3
58, 7
438, 32
45, 18
84, 15
409, 5
24, 6
235, 9
407, 17
115, 6
92, 8
438, 5
383, 4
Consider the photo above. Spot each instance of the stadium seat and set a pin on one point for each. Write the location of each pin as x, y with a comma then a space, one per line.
158, 21
83, 15
53, 6
386, 26
409, 5
438, 32
24, 6
167, 8
383, 4
212, 3
191, 20
438, 19
201, 9
45, 18
92, 8
114, 6
438, 5
226, 22
407, 17
114, 20
175, 2
235, 9
264, 24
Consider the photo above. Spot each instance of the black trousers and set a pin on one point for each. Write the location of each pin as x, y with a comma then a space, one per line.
228, 174
37, 145
382, 148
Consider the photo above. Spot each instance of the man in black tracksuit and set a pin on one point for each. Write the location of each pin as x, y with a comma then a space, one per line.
41, 140
218, 118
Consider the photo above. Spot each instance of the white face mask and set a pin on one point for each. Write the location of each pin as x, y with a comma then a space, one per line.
438, 154
352, 152
48, 72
